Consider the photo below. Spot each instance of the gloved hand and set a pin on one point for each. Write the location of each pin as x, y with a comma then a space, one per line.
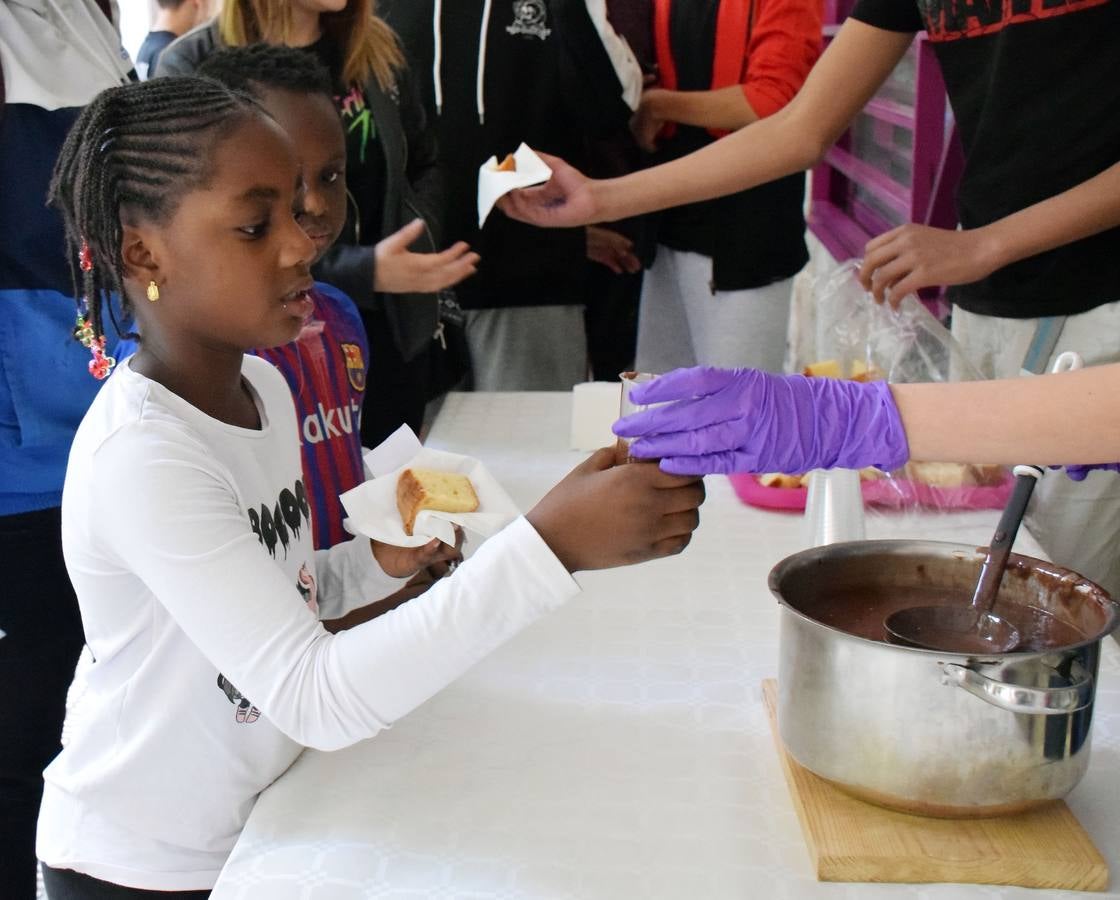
1078, 473
744, 420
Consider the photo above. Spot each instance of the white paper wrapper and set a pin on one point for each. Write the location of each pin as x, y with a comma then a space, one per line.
595, 406
492, 184
371, 507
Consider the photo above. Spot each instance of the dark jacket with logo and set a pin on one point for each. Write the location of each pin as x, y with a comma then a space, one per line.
545, 79
413, 189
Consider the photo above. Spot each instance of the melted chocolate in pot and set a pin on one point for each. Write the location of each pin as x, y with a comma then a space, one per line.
861, 612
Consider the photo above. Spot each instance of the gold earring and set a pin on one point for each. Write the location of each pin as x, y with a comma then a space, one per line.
153, 291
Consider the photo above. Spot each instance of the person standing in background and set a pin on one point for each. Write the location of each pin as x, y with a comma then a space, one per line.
54, 58
1038, 201
173, 19
614, 285
543, 72
386, 258
719, 287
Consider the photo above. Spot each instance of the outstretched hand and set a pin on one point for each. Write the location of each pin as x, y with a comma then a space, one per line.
609, 513
566, 200
397, 270
746, 420
911, 257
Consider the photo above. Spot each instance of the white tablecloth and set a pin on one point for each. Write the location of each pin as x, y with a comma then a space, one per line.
618, 749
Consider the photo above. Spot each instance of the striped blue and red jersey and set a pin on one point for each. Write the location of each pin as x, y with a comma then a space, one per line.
326, 368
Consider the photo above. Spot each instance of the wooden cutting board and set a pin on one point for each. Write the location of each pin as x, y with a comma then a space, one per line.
850, 840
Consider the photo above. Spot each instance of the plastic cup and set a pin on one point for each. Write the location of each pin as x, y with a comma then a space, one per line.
630, 380
834, 508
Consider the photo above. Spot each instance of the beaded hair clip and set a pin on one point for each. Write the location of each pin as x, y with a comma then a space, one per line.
101, 365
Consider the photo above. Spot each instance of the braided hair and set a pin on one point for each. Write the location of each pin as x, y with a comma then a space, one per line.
259, 66
134, 151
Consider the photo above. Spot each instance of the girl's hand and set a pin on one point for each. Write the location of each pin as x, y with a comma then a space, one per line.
397, 270
566, 200
646, 124
611, 249
401, 562
916, 256
604, 514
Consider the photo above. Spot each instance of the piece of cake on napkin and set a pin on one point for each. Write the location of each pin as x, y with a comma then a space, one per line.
419, 489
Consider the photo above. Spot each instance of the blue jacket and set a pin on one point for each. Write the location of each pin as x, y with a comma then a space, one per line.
45, 385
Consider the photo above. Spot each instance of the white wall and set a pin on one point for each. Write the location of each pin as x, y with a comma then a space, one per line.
136, 17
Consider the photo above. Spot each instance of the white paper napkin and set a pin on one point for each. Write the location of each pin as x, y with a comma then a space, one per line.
492, 184
371, 507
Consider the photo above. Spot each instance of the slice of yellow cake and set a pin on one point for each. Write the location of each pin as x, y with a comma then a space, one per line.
419, 489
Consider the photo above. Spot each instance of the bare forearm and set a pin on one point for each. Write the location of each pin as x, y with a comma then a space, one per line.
1049, 419
725, 109
1089, 208
754, 155
841, 83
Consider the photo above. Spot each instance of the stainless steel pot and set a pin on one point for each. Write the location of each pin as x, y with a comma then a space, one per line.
927, 732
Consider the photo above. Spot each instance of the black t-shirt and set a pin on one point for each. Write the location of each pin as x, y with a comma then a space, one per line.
365, 157
147, 57
1035, 88
753, 237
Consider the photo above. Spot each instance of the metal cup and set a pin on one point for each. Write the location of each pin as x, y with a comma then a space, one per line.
834, 508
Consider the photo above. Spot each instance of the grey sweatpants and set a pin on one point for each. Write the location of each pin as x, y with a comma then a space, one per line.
682, 323
527, 348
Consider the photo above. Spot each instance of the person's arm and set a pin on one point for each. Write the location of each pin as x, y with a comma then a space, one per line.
1049, 420
916, 256
784, 44
187, 540
391, 267
847, 75
725, 109
707, 420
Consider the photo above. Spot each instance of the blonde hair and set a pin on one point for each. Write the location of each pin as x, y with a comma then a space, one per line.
369, 46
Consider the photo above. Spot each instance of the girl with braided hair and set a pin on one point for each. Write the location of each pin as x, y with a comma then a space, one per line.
199, 600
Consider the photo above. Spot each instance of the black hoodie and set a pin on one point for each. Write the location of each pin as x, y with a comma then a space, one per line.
545, 79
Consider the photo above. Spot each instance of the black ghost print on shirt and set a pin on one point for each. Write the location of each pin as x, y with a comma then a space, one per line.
285, 519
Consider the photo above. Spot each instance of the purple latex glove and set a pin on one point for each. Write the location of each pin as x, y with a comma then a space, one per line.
744, 420
1078, 473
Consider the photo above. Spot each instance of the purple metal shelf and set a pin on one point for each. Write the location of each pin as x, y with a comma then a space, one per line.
906, 167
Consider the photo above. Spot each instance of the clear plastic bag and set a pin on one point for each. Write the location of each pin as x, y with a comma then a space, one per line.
855, 337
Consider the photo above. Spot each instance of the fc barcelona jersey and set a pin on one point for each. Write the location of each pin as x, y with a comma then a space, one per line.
326, 369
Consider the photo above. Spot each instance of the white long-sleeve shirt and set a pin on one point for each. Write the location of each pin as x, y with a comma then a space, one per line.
188, 541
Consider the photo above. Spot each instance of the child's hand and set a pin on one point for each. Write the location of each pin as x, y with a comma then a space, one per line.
397, 270
604, 514
400, 562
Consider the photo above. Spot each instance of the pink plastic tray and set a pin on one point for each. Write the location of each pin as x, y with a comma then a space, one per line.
890, 493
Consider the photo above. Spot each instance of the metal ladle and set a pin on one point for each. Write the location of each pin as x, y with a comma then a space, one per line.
973, 628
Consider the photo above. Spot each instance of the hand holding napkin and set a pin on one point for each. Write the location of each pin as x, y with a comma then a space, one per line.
492, 183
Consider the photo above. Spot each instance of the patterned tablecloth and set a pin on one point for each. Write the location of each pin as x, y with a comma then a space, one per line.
618, 749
